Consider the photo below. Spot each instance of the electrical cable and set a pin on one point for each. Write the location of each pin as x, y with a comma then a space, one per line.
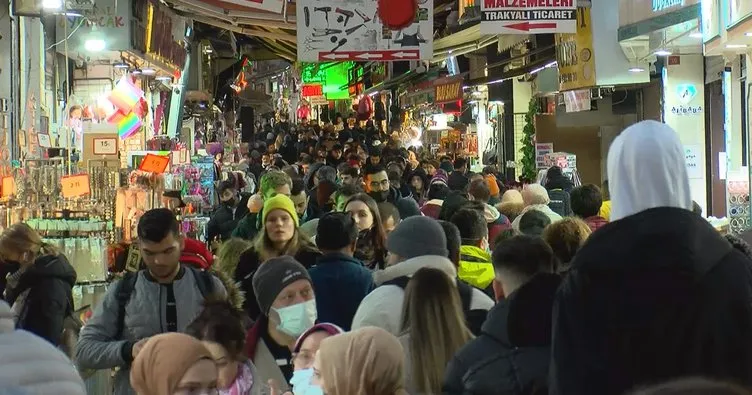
69, 36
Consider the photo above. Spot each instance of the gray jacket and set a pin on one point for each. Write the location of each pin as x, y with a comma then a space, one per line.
144, 317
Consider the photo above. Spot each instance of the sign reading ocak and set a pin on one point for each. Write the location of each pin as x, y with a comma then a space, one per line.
528, 16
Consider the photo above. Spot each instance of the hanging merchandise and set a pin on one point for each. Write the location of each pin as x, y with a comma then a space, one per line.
365, 108
126, 97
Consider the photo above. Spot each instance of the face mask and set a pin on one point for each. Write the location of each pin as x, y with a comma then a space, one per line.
298, 318
379, 196
302, 383
230, 203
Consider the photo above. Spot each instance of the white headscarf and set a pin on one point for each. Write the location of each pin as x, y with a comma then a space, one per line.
646, 169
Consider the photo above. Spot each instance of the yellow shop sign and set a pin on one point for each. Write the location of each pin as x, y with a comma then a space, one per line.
575, 56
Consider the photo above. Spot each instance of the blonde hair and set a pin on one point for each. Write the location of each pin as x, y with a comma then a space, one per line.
229, 254
21, 238
432, 315
566, 237
265, 248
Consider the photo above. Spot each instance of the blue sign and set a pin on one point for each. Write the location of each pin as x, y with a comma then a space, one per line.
660, 5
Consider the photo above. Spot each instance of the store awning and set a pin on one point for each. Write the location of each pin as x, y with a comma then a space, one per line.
470, 39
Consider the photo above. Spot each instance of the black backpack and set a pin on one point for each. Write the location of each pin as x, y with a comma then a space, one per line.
559, 202
474, 319
127, 284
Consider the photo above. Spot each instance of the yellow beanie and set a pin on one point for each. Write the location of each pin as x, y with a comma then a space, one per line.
280, 202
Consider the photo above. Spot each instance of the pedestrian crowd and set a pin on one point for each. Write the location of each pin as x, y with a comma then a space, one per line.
360, 267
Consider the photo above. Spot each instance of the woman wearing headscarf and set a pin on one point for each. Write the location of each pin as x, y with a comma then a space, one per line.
658, 292
173, 363
367, 361
535, 197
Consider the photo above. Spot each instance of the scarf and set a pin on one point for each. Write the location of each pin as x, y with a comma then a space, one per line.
366, 253
243, 382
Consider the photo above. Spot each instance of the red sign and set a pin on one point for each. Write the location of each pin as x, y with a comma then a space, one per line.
310, 90
528, 26
154, 163
361, 56
449, 91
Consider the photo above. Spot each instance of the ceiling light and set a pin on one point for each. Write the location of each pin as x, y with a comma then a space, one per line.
148, 71
695, 35
734, 46
52, 4
748, 34
208, 50
121, 65
164, 78
95, 45
635, 69
136, 72
662, 52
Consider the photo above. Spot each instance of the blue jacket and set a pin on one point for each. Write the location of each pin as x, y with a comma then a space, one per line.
340, 283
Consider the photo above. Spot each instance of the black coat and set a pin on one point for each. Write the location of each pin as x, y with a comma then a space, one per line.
247, 266
652, 297
512, 353
49, 282
223, 221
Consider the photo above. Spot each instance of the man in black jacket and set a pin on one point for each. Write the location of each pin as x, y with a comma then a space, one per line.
658, 293
229, 213
378, 187
511, 355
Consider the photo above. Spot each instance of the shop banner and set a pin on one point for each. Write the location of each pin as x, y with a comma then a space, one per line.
338, 30
528, 16
449, 91
710, 23
575, 55
310, 90
108, 20
634, 11
737, 11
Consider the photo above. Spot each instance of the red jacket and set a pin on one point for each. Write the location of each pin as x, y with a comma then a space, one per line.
595, 222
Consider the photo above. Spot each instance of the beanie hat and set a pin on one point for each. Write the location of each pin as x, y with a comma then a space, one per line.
447, 166
534, 222
493, 186
280, 202
335, 231
273, 276
196, 254
440, 177
417, 236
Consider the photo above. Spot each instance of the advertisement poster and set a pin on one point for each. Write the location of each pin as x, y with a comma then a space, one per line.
339, 30
575, 55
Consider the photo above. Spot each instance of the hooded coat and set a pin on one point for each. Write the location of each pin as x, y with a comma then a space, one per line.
657, 294
42, 296
511, 355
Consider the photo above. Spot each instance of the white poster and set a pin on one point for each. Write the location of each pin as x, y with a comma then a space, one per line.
340, 30
693, 160
528, 16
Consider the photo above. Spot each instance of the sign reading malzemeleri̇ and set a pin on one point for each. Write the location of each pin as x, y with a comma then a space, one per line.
528, 16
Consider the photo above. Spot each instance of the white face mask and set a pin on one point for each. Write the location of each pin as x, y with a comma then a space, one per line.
298, 318
302, 383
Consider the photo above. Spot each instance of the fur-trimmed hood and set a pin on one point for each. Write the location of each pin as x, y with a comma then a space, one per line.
234, 294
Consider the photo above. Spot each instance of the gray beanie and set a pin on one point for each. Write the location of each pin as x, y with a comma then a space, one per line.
417, 236
273, 276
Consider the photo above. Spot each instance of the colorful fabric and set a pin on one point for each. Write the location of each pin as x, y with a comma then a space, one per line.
243, 382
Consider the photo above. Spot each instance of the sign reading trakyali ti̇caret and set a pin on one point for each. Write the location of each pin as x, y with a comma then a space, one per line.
528, 16
341, 30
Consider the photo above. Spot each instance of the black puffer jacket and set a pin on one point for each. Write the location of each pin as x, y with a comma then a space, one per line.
43, 309
511, 355
652, 297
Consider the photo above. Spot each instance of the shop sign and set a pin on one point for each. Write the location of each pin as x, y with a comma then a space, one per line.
417, 99
575, 55
660, 5
154, 163
710, 21
737, 11
528, 16
112, 23
311, 90
378, 73
330, 30
318, 101
685, 93
159, 39
449, 92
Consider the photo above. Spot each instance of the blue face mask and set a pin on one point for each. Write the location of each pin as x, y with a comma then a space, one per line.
302, 383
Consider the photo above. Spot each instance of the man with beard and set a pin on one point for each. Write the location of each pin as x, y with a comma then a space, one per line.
227, 216
377, 186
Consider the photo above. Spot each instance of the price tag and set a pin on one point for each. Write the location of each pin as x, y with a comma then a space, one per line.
105, 146
44, 140
154, 163
9, 186
75, 186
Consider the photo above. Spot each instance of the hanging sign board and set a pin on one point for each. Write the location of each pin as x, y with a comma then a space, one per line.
154, 163
75, 186
528, 16
449, 91
337, 30
575, 55
310, 90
